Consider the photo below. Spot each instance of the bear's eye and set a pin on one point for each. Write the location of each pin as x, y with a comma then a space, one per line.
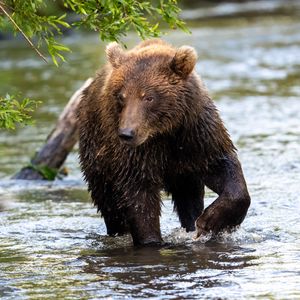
120, 98
148, 98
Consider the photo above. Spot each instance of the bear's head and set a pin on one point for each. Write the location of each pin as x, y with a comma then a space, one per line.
149, 88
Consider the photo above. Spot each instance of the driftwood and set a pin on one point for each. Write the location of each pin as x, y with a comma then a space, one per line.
50, 158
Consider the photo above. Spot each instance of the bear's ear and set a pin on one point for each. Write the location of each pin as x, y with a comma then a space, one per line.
115, 54
184, 61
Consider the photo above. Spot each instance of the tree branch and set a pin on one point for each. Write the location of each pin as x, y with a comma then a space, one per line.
24, 35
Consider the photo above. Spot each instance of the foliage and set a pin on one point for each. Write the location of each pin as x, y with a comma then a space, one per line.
111, 19
14, 111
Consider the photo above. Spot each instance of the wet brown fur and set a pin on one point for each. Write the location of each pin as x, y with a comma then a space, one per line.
180, 144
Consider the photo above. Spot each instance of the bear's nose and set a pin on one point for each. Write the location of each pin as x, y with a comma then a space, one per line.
126, 134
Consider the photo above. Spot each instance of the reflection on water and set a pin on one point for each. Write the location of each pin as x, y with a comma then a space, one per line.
53, 243
183, 271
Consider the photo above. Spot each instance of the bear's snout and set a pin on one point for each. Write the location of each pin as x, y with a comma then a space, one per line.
126, 135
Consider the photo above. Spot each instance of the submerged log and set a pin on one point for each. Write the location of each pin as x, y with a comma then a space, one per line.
49, 159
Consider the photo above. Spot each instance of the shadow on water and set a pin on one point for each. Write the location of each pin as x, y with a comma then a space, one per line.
179, 270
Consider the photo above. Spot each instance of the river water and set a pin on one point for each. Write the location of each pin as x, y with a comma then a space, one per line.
53, 243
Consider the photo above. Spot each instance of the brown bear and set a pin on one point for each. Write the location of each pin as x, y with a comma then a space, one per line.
147, 124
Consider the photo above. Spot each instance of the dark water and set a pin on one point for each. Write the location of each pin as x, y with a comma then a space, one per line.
52, 242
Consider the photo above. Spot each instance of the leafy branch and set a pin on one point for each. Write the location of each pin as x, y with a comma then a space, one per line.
20, 30
111, 19
14, 111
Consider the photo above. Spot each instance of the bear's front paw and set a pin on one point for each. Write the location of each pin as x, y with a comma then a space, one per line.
215, 218
225, 213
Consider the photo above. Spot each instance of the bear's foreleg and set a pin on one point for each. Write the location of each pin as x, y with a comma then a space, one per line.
227, 180
143, 218
114, 217
187, 195
115, 221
